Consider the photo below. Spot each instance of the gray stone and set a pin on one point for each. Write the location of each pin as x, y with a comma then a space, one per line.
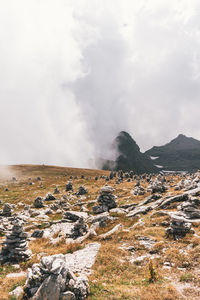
17, 292
74, 216
37, 233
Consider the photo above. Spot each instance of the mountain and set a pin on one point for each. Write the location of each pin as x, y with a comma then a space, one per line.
181, 154
129, 156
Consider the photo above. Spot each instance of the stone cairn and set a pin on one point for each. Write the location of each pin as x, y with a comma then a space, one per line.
106, 200
69, 186
178, 228
15, 247
56, 190
81, 191
38, 202
49, 197
7, 210
80, 229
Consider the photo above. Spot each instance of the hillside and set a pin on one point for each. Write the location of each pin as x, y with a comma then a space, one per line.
181, 154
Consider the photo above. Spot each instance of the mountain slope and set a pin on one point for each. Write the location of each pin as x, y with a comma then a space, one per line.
129, 156
181, 154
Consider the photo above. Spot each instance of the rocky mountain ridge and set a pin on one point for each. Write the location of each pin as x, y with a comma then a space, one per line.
181, 154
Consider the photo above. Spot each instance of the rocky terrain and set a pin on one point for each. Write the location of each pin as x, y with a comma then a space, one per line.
91, 234
181, 154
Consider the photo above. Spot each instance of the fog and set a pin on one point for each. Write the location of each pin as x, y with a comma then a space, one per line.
75, 73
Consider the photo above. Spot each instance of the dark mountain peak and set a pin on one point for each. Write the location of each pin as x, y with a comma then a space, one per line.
125, 134
181, 154
182, 136
125, 144
184, 142
129, 156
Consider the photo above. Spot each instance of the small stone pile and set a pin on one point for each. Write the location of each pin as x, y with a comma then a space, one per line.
15, 247
178, 227
81, 191
38, 202
56, 190
80, 229
49, 197
138, 190
106, 200
53, 280
157, 187
7, 210
69, 186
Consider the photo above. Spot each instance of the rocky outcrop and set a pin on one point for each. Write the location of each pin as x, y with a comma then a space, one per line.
54, 279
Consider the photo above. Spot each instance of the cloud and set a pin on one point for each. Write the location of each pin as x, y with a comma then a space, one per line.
75, 73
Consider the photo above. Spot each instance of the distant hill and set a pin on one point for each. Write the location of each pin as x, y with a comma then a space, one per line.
181, 154
129, 156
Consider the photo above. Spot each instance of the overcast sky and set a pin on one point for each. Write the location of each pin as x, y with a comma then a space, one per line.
73, 73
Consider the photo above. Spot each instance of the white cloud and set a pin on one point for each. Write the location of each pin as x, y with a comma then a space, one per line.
74, 73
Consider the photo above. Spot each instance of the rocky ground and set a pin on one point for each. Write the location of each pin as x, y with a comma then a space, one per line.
77, 233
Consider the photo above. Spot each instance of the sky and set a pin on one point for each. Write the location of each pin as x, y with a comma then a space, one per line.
74, 73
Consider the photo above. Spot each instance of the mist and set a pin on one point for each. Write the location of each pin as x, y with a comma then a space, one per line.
75, 73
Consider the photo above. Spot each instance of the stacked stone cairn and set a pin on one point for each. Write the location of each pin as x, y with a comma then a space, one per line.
178, 227
69, 186
49, 197
80, 229
56, 190
106, 200
7, 210
81, 191
38, 202
15, 247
